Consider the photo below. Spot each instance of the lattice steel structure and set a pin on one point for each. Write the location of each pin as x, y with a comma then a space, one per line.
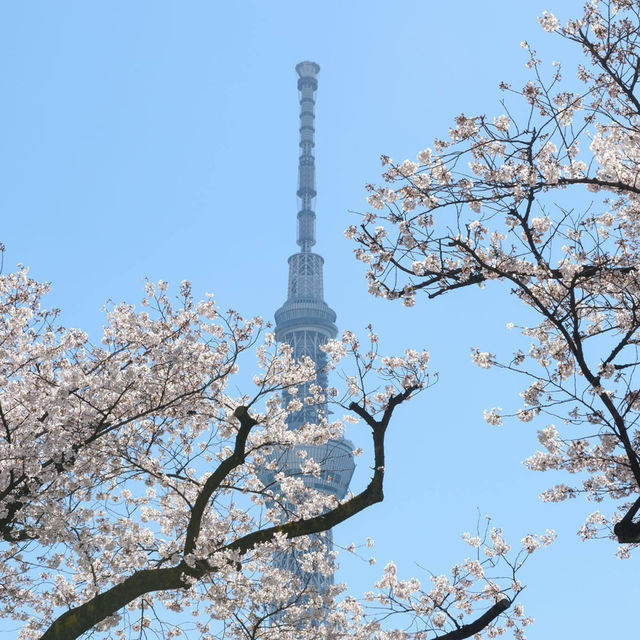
305, 321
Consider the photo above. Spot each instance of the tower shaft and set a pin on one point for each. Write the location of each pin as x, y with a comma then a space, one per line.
305, 321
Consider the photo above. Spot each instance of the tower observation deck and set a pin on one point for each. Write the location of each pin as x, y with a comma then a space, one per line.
305, 321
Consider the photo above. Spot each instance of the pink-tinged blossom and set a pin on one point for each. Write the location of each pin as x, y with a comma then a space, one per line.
549, 22
483, 359
493, 417
502, 123
526, 415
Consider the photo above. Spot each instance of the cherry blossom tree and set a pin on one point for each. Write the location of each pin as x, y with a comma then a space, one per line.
131, 491
543, 199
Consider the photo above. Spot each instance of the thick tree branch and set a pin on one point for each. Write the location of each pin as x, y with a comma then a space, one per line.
216, 478
76, 621
468, 630
627, 530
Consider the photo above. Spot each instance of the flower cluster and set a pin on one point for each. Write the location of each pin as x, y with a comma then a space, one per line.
484, 585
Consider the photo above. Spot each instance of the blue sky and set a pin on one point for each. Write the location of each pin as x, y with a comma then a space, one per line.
157, 139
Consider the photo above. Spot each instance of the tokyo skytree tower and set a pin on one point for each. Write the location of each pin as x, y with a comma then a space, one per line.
305, 321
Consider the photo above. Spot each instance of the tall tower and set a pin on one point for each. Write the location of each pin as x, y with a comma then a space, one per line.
306, 322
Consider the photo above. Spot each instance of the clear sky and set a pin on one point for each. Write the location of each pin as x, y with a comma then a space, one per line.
159, 139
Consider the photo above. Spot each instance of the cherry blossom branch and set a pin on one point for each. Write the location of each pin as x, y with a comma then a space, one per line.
65, 463
73, 623
474, 209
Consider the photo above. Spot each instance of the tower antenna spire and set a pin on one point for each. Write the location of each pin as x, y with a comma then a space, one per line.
307, 85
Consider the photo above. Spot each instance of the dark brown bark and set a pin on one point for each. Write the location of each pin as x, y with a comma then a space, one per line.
79, 620
468, 630
628, 531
